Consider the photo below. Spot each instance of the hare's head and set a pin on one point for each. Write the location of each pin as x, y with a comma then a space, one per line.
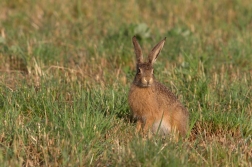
144, 76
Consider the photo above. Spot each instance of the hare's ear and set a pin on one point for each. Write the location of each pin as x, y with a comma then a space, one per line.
155, 51
138, 50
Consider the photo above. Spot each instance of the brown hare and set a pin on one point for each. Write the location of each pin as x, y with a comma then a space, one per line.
154, 106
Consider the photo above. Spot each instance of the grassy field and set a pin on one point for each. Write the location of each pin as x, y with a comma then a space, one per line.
66, 67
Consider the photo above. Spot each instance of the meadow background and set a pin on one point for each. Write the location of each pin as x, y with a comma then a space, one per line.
66, 67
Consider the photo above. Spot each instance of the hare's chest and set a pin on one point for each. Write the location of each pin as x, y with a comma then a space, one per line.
143, 102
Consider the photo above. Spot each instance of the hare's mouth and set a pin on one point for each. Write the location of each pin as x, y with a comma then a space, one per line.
146, 85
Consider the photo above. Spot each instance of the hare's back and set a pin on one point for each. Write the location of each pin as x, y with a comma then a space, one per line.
164, 94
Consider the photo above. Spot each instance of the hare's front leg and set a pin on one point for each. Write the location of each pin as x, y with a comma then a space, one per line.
138, 126
148, 124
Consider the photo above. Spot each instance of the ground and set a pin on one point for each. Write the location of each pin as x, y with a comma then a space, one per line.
66, 67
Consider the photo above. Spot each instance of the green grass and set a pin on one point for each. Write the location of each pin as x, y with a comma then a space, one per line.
66, 67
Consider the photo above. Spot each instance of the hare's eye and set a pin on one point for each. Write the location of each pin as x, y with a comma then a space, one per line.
152, 71
138, 71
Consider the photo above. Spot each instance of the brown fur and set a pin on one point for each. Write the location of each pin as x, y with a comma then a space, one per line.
153, 105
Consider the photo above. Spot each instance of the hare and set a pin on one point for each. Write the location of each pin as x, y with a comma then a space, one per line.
154, 106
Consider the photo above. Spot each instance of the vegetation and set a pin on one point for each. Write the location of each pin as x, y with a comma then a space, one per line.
66, 67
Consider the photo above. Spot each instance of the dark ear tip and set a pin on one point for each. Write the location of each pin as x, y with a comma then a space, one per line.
164, 38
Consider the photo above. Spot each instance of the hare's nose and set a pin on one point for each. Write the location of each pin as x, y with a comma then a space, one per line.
147, 81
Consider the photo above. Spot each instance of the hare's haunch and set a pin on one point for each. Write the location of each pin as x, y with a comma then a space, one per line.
154, 106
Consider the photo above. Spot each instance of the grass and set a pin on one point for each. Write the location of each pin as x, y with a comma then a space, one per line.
66, 68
